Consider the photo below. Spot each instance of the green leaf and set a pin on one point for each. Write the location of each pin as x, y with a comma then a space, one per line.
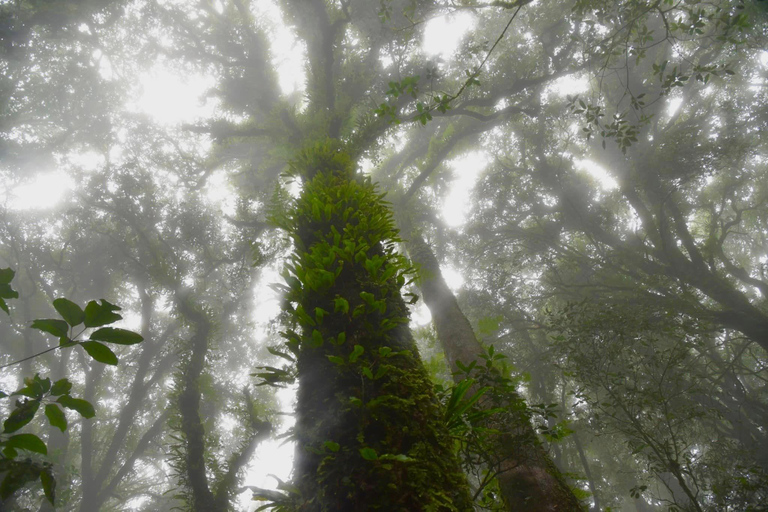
368, 373
69, 311
115, 335
27, 442
303, 317
335, 359
61, 387
341, 305
20, 474
317, 339
97, 314
56, 417
99, 352
58, 328
356, 352
6, 292
77, 404
21, 415
279, 353
334, 447
384, 351
369, 453
34, 387
6, 275
49, 484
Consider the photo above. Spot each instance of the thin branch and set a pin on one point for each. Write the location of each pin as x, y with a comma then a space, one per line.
64, 345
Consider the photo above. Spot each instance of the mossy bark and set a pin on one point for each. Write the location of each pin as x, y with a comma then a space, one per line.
528, 479
370, 433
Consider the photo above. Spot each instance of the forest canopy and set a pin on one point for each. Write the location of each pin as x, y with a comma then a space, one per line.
384, 255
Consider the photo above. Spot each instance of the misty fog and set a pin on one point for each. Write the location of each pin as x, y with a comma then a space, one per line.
396, 255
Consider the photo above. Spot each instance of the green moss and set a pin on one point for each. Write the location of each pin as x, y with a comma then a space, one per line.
371, 434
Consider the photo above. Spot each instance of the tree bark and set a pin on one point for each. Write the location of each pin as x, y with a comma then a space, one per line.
528, 479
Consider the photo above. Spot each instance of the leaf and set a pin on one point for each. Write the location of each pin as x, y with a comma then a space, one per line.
58, 328
303, 317
274, 377
69, 311
336, 360
276, 352
56, 417
27, 442
356, 352
6, 275
34, 387
317, 339
99, 352
6, 292
286, 486
97, 314
457, 405
341, 305
115, 335
61, 387
21, 415
334, 447
77, 404
369, 453
18, 475
49, 484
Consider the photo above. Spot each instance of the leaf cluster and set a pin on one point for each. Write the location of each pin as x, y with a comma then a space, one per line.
38, 391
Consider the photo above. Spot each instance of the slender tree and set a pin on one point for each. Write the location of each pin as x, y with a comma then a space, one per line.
527, 477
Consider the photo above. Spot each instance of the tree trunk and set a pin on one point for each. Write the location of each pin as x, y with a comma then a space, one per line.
87, 473
370, 433
528, 479
587, 472
191, 424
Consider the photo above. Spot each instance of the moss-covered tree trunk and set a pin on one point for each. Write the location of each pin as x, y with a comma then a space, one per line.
528, 479
370, 433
